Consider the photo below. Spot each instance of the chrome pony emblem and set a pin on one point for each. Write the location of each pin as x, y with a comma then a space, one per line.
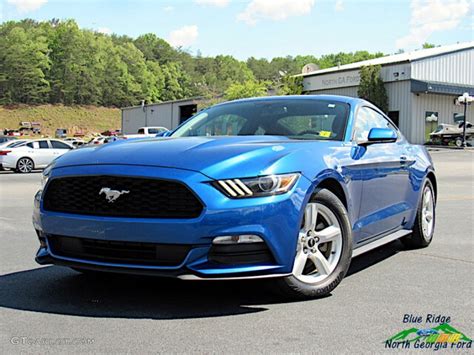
112, 195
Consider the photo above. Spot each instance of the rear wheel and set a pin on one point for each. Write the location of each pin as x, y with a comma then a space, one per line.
24, 165
458, 142
423, 228
323, 251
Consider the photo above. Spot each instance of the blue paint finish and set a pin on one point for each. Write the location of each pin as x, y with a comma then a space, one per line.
381, 182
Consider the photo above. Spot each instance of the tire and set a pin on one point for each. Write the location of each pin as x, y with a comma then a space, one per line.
24, 165
458, 142
311, 282
422, 229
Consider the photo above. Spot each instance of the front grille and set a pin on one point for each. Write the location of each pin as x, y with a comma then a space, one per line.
119, 252
142, 198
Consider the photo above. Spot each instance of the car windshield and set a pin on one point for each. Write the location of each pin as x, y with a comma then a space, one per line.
293, 118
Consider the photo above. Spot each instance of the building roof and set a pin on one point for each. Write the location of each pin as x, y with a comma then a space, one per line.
399, 58
195, 98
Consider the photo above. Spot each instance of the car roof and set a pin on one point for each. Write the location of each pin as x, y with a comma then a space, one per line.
339, 98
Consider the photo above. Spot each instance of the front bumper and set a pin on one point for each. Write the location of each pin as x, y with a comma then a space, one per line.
276, 219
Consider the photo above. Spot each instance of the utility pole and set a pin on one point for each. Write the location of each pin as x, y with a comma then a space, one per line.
465, 99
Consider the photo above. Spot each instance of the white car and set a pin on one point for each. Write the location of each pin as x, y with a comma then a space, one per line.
32, 155
75, 142
146, 132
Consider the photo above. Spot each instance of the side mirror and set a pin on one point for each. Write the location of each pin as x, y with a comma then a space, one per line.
381, 135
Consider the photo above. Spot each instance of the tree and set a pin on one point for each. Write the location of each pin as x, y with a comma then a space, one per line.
57, 62
291, 85
23, 63
176, 83
427, 45
250, 88
155, 48
372, 88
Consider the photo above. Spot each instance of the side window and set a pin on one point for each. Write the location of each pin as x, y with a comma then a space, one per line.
59, 145
30, 145
366, 120
141, 131
43, 144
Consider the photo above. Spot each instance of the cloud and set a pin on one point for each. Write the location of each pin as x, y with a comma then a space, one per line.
168, 8
184, 36
275, 10
23, 6
339, 6
104, 30
429, 16
218, 3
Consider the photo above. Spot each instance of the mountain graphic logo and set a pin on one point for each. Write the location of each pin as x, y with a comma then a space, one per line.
443, 331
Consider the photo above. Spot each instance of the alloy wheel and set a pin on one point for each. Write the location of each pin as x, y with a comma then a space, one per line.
25, 165
427, 213
319, 244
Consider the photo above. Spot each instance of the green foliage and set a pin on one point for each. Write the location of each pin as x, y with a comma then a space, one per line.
250, 88
427, 45
291, 85
372, 88
23, 63
57, 62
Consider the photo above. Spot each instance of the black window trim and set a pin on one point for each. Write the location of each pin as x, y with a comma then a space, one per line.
356, 115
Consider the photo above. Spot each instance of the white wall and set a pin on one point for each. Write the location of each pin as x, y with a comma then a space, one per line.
451, 68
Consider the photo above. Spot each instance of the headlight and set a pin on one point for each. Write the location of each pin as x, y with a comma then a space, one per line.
46, 174
257, 187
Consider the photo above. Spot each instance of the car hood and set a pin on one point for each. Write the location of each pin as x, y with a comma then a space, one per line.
215, 157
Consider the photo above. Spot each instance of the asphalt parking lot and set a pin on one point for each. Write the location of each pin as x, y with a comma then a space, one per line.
39, 306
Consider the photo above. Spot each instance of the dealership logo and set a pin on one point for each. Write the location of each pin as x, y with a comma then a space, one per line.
112, 195
441, 336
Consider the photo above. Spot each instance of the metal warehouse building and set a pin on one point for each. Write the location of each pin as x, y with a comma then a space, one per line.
166, 114
422, 86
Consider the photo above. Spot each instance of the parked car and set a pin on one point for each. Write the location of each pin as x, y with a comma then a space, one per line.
13, 133
96, 141
36, 154
75, 142
61, 133
103, 140
146, 132
288, 188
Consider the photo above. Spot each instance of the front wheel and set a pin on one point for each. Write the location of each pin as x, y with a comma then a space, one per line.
323, 250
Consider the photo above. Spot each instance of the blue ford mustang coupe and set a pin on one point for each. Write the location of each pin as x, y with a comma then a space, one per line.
289, 188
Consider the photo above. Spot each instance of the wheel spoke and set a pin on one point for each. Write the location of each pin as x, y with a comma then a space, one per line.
310, 217
328, 234
429, 215
300, 262
321, 263
427, 197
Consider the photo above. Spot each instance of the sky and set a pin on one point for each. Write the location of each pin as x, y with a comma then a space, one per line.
266, 28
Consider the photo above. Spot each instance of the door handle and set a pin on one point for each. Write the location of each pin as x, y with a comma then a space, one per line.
403, 159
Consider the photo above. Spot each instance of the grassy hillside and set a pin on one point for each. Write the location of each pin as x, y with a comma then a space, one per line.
90, 119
